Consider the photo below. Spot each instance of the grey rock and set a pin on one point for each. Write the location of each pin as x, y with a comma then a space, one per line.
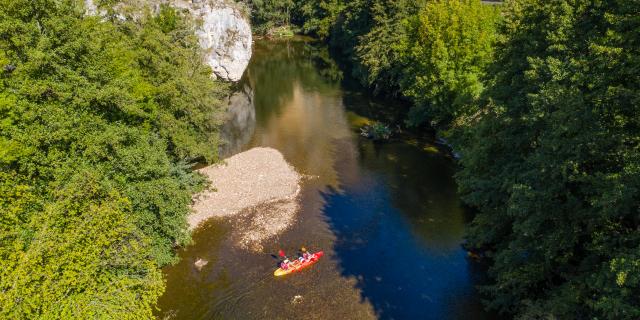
9, 68
225, 33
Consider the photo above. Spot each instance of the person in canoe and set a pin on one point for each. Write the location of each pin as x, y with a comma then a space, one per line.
306, 256
285, 263
305, 260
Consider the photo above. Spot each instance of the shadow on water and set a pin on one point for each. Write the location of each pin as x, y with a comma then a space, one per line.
399, 227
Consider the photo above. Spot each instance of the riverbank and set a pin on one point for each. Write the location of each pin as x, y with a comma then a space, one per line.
258, 188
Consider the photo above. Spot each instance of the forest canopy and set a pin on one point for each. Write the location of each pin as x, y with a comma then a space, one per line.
553, 165
99, 119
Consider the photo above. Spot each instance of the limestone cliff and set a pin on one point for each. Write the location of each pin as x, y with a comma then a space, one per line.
223, 31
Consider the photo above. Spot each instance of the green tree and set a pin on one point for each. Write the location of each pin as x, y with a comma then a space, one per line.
444, 56
78, 258
98, 120
382, 47
553, 163
269, 14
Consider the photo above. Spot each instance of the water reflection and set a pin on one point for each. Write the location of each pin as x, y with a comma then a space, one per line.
240, 122
387, 216
278, 66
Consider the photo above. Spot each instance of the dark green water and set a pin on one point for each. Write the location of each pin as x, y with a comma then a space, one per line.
387, 216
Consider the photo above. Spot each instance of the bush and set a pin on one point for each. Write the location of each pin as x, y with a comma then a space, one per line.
376, 131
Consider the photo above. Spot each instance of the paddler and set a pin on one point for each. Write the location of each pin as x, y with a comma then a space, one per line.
284, 265
305, 255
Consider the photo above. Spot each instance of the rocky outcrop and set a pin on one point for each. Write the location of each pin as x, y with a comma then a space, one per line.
223, 31
90, 7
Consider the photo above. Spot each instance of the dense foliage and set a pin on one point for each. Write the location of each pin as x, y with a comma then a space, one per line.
98, 118
554, 163
267, 15
444, 58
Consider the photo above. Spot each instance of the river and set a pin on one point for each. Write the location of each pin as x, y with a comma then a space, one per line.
386, 215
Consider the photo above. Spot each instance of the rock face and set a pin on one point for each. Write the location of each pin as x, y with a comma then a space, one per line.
90, 7
223, 31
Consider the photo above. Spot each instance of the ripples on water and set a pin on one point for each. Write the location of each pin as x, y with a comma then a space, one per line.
386, 215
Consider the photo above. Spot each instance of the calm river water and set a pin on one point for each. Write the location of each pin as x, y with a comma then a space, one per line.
386, 215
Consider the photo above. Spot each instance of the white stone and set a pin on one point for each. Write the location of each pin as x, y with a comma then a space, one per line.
200, 263
90, 7
224, 32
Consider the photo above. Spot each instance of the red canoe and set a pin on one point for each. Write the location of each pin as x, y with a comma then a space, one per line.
296, 266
